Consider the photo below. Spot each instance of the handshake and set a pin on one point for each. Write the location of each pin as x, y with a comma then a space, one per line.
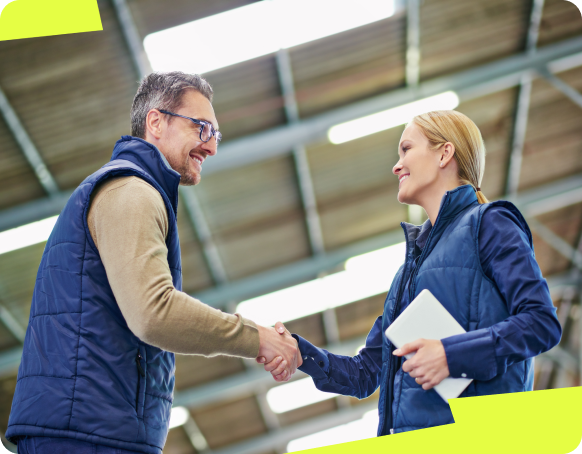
278, 351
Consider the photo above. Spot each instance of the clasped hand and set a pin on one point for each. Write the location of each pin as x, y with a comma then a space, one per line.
428, 365
278, 352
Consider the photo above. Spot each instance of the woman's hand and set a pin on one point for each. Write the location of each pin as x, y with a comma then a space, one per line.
429, 364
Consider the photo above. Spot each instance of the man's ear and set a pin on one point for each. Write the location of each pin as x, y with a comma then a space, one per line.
154, 123
447, 154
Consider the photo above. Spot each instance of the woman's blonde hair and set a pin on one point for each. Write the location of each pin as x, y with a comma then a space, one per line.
442, 126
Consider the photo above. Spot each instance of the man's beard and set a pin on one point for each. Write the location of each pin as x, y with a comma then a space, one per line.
187, 178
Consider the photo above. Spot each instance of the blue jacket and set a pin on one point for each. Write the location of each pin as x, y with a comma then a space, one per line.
84, 374
449, 266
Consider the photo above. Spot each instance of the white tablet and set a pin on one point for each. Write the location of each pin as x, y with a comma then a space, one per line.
426, 318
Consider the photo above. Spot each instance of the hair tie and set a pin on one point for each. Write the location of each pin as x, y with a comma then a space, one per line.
477, 189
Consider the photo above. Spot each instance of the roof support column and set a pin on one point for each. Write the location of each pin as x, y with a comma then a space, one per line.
27, 146
523, 101
143, 68
300, 156
566, 89
415, 212
561, 246
195, 436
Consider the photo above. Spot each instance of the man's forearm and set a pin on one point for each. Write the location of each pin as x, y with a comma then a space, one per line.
129, 223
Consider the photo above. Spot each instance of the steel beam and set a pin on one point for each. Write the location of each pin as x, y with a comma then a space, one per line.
204, 235
413, 43
255, 379
9, 361
415, 212
252, 381
33, 211
300, 156
543, 199
556, 242
27, 146
12, 324
195, 436
524, 97
271, 440
519, 131
132, 38
193, 208
470, 84
562, 86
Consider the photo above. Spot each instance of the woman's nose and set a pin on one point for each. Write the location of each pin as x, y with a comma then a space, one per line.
397, 168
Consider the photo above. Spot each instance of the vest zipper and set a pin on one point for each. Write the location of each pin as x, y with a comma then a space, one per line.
141, 372
392, 361
424, 253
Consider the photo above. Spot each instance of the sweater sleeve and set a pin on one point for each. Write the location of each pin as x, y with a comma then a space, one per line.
128, 222
532, 326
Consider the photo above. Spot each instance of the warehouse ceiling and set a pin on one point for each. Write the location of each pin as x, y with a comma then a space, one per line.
251, 227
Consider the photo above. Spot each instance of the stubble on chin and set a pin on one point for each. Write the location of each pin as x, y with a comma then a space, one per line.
187, 178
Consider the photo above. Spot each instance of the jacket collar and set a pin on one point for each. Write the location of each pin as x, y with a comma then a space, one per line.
149, 158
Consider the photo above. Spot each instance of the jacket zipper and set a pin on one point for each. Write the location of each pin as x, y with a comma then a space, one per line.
141, 372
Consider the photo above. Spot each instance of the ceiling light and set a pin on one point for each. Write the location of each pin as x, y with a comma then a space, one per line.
257, 29
356, 430
296, 394
365, 275
391, 118
26, 235
178, 416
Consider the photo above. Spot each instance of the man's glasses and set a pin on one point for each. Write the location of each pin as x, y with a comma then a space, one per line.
206, 128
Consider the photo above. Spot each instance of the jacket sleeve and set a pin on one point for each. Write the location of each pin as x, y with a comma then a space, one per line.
357, 376
507, 258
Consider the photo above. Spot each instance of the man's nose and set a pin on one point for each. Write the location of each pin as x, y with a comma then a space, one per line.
210, 147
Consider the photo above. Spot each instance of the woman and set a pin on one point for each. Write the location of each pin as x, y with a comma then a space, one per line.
477, 259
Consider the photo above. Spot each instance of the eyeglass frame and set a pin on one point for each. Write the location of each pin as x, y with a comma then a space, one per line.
214, 133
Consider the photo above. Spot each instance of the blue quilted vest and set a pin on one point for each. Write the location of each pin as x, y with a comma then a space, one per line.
84, 374
450, 268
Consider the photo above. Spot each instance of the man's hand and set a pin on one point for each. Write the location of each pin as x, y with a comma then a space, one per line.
278, 349
429, 364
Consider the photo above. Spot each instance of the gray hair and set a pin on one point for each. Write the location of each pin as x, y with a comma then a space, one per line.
163, 91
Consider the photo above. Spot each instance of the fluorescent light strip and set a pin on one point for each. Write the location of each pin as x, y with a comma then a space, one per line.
26, 235
391, 118
356, 430
257, 29
365, 275
296, 394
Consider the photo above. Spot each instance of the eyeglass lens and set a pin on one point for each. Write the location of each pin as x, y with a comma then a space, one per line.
206, 133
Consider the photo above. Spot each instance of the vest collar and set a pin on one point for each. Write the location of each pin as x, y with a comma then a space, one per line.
452, 203
149, 158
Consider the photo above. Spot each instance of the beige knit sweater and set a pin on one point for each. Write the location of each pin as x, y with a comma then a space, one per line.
128, 222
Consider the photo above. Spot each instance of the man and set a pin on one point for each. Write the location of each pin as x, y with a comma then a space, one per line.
97, 374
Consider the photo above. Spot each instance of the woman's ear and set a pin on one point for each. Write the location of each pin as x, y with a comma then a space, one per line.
447, 153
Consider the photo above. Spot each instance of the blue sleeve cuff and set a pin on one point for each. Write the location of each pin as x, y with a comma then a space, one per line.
315, 360
471, 355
